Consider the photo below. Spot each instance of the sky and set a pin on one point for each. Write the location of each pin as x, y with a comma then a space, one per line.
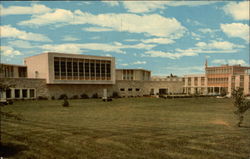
162, 36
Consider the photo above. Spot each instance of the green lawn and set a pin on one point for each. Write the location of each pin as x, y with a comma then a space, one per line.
127, 128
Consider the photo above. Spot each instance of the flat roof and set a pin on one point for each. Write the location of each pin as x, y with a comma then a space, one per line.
136, 69
12, 65
70, 54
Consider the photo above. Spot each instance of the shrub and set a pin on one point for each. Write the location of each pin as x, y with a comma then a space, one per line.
42, 98
84, 96
95, 95
52, 98
75, 97
63, 96
65, 102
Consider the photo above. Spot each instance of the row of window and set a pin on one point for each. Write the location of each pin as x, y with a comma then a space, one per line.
8, 71
83, 69
218, 70
130, 89
20, 93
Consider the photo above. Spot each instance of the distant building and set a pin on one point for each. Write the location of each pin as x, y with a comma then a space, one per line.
217, 79
133, 74
196, 83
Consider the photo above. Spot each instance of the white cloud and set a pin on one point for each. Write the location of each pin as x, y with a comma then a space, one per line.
230, 61
154, 24
139, 62
9, 51
8, 31
111, 3
169, 55
219, 61
69, 38
236, 62
96, 29
21, 44
196, 36
237, 30
131, 40
159, 41
220, 45
79, 48
194, 22
141, 6
124, 64
17, 10
239, 11
206, 30
144, 6
184, 70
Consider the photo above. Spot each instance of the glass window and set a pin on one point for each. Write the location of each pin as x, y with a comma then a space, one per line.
69, 69
17, 93
130, 89
63, 68
86, 69
8, 93
24, 91
122, 89
32, 93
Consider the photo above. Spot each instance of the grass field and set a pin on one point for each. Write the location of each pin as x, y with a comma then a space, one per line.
127, 128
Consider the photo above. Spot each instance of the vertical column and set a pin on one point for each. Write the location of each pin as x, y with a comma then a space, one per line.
28, 93
21, 93
12, 93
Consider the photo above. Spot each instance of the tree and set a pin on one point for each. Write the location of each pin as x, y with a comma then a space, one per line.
241, 104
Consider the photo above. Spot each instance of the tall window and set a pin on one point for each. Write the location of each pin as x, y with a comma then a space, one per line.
57, 68
87, 69
108, 70
92, 69
75, 69
63, 68
81, 69
98, 70
22, 71
103, 68
69, 68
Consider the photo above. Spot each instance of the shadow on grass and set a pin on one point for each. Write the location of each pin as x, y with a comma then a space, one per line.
10, 149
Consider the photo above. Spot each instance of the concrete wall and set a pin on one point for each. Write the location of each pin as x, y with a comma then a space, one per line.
71, 90
146, 87
24, 83
37, 66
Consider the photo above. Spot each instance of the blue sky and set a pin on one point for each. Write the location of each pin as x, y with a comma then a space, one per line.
162, 36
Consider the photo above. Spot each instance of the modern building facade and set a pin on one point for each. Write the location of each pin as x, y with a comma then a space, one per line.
58, 68
49, 75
